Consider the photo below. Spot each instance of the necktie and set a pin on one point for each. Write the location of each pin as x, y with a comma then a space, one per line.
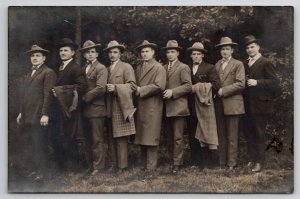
224, 63
88, 66
195, 67
251, 62
170, 66
112, 66
61, 67
34, 68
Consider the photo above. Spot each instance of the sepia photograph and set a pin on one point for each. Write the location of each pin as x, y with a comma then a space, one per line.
151, 99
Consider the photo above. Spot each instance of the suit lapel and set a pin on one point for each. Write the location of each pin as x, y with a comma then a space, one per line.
227, 68
65, 71
173, 69
114, 71
92, 68
37, 72
201, 67
147, 69
255, 66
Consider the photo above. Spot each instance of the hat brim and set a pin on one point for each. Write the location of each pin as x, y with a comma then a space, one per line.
121, 47
226, 44
252, 41
151, 45
41, 51
196, 49
72, 45
87, 48
169, 48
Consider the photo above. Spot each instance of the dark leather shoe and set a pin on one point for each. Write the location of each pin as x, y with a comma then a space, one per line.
250, 164
257, 167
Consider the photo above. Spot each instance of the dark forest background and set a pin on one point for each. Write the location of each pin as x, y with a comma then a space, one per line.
131, 25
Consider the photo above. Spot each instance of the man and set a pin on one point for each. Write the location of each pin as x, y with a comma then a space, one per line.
68, 138
94, 109
121, 85
201, 72
151, 82
176, 103
261, 86
34, 112
232, 76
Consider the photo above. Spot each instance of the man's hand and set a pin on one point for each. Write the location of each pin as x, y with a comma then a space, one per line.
137, 92
252, 82
54, 93
44, 120
168, 94
110, 88
220, 92
19, 118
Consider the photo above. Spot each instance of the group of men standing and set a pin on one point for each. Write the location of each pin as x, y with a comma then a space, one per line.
89, 112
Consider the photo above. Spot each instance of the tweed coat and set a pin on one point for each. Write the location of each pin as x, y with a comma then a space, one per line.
152, 82
179, 81
232, 84
37, 95
206, 73
259, 98
94, 98
122, 73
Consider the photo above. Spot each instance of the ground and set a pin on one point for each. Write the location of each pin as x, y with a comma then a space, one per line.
276, 177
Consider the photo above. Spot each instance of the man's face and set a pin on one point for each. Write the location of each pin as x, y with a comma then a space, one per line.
197, 56
172, 54
114, 54
66, 53
252, 49
90, 54
37, 58
226, 51
147, 53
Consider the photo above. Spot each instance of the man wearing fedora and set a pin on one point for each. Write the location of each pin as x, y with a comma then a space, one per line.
201, 72
69, 141
261, 87
231, 104
178, 86
34, 110
120, 123
94, 109
151, 82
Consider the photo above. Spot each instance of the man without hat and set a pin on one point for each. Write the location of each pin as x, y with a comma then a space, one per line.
120, 123
178, 86
151, 82
201, 72
94, 106
231, 104
261, 86
69, 139
34, 111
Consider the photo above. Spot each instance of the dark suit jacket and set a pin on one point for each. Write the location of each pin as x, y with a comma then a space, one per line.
72, 74
259, 99
37, 95
94, 98
206, 73
179, 81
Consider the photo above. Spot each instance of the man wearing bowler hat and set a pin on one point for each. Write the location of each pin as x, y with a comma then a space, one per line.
34, 111
261, 86
69, 139
176, 103
151, 82
120, 124
201, 72
94, 106
232, 76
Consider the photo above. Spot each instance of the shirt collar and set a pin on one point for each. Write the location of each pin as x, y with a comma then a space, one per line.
256, 57
67, 61
38, 66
